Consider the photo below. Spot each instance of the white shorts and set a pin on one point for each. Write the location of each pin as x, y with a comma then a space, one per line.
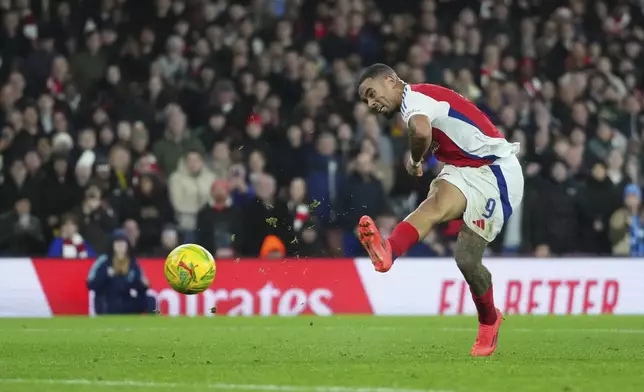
492, 193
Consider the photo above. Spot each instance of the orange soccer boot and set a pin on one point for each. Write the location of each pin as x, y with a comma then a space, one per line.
487, 338
379, 249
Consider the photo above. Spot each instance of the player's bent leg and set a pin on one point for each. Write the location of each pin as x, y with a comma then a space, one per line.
445, 202
469, 259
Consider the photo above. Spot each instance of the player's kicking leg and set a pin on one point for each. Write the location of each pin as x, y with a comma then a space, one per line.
445, 202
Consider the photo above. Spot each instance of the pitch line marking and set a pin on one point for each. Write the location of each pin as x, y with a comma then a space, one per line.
331, 328
213, 386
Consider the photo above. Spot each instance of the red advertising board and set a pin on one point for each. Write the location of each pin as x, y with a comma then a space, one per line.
243, 287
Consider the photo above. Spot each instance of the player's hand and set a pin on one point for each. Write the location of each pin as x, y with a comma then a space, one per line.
414, 170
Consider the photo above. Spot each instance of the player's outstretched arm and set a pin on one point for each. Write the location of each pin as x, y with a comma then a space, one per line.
420, 137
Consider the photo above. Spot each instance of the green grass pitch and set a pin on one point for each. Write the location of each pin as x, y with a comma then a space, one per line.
334, 354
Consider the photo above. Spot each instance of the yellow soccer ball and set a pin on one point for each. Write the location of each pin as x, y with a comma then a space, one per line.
190, 269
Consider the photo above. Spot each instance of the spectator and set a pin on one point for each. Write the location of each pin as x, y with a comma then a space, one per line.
371, 130
189, 189
97, 219
21, 232
600, 146
336, 44
14, 44
151, 209
407, 193
254, 139
118, 282
557, 225
110, 91
26, 134
119, 178
219, 222
309, 243
62, 192
240, 190
62, 143
102, 176
220, 161
131, 228
272, 248
156, 98
599, 201
290, 155
120, 164
140, 141
172, 65
85, 141
106, 136
346, 141
88, 66
124, 132
362, 195
615, 170
84, 169
34, 160
382, 171
18, 184
176, 143
325, 177
225, 101
298, 204
38, 63
627, 223
70, 244
169, 241
256, 165
263, 216
214, 132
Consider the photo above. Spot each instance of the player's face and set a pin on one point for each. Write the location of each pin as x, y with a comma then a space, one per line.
379, 94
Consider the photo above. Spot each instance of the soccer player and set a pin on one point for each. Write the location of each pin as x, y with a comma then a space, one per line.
481, 182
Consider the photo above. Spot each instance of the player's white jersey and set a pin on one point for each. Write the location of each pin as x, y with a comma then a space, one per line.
462, 135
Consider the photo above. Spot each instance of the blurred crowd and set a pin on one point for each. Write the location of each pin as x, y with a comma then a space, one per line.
236, 124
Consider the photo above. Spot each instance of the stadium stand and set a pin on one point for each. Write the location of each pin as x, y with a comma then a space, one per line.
236, 124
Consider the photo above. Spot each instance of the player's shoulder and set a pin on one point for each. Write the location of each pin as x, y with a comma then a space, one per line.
424, 99
434, 91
